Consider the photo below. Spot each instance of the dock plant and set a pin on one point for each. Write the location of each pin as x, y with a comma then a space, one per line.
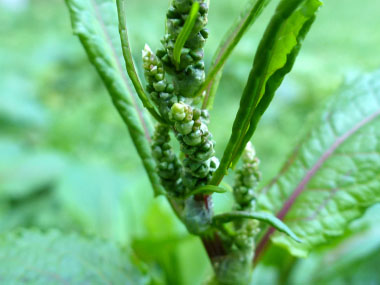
328, 181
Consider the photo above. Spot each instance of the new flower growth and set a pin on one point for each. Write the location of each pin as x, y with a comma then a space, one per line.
187, 71
174, 90
246, 180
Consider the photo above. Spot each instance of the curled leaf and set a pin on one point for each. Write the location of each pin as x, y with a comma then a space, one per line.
208, 189
261, 216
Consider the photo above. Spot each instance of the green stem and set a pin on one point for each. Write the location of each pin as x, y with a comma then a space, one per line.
185, 33
131, 70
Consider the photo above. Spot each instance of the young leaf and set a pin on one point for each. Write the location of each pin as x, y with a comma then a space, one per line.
129, 61
185, 32
263, 217
241, 25
207, 189
35, 258
274, 58
95, 23
334, 173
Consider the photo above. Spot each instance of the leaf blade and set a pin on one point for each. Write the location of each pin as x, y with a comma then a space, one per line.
283, 38
332, 177
241, 25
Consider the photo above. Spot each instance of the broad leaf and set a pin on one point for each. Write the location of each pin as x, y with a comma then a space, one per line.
29, 257
333, 175
241, 25
353, 261
274, 58
95, 23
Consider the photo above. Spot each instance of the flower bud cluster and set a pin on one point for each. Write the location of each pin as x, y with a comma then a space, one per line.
161, 92
168, 165
246, 180
190, 125
238, 263
189, 74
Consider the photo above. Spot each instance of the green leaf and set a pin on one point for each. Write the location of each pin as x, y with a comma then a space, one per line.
121, 12
185, 33
274, 58
333, 175
95, 23
241, 25
29, 257
353, 261
261, 216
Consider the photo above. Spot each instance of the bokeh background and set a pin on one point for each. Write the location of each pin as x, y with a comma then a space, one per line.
66, 160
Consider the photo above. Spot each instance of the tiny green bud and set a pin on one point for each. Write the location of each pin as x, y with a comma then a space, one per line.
169, 88
184, 128
159, 77
196, 113
159, 86
194, 138
178, 111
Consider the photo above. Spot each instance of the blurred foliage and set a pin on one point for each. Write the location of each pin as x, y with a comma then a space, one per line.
70, 259
66, 160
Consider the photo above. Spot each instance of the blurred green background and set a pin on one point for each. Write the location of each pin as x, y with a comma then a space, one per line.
66, 160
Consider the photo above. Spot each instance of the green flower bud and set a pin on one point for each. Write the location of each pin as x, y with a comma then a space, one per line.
159, 86
194, 138
204, 33
197, 169
246, 180
203, 155
189, 150
170, 88
182, 6
168, 166
184, 128
160, 77
178, 111
189, 75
